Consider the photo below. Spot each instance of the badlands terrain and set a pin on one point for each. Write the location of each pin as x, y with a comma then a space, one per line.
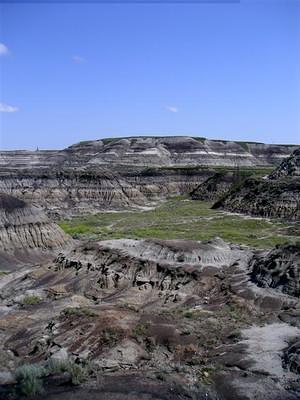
150, 268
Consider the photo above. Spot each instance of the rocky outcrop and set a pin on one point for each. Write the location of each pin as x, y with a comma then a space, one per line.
275, 196
161, 309
292, 357
289, 167
25, 229
264, 198
66, 190
219, 184
167, 265
279, 269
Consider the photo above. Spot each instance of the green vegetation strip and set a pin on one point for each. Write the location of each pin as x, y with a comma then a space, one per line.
180, 218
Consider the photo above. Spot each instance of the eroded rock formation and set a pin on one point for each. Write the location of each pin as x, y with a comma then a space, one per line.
117, 173
275, 196
179, 312
84, 190
217, 186
278, 268
25, 229
162, 319
154, 151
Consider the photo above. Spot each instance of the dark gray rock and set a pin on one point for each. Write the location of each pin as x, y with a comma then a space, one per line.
278, 268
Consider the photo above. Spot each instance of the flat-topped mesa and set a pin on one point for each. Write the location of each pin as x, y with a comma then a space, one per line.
150, 151
25, 227
180, 151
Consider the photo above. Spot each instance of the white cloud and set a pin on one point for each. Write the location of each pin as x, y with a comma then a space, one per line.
78, 59
6, 108
3, 49
172, 109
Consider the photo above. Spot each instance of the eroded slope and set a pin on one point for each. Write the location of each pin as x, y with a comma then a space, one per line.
277, 195
178, 314
25, 232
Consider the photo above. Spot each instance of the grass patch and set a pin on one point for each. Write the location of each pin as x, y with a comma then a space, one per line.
180, 218
31, 300
139, 330
30, 376
79, 373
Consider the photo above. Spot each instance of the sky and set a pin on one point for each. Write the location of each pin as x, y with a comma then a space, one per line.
80, 71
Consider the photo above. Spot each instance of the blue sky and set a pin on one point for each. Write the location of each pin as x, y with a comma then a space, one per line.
72, 72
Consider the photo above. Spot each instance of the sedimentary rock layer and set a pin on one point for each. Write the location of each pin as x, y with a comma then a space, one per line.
25, 228
264, 198
165, 310
216, 186
155, 151
89, 190
116, 173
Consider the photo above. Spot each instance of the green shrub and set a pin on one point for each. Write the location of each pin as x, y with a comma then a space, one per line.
29, 378
139, 330
79, 373
31, 300
54, 366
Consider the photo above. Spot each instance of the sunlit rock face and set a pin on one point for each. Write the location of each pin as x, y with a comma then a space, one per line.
25, 232
25, 226
151, 151
180, 151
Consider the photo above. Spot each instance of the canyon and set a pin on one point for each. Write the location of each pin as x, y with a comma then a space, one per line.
93, 308
112, 173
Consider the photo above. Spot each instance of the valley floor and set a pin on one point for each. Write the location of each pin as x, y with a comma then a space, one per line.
182, 218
